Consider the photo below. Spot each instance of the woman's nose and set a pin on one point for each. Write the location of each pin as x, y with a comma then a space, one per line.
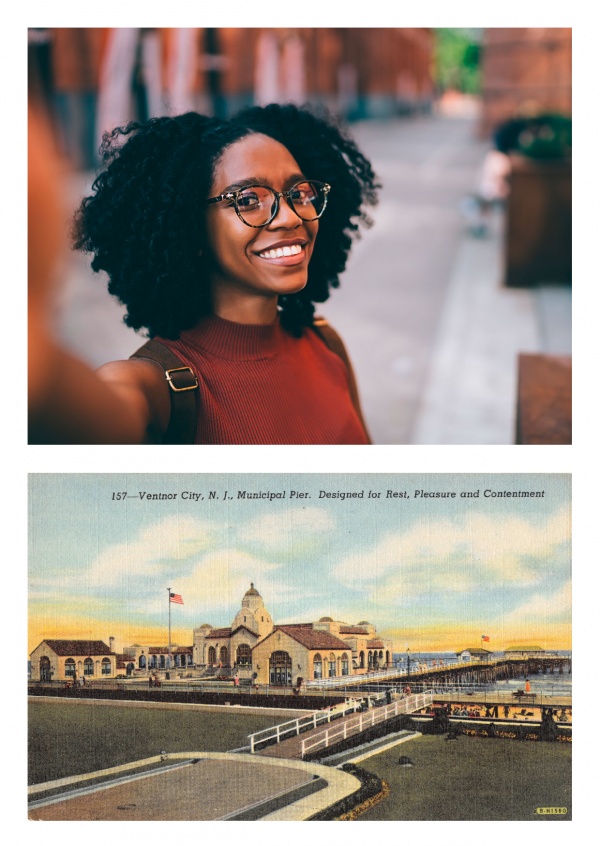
285, 216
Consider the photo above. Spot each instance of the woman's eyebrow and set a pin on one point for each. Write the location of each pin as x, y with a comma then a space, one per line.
260, 180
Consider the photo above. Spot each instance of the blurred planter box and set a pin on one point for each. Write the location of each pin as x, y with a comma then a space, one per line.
538, 225
544, 398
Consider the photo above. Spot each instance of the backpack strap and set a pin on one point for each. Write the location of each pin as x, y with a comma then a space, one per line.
332, 340
183, 382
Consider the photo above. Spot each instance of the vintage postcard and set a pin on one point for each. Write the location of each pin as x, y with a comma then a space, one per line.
300, 647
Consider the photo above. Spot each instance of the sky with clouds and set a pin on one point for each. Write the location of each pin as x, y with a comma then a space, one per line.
432, 572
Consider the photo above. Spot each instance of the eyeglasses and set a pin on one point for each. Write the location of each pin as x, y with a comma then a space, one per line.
257, 205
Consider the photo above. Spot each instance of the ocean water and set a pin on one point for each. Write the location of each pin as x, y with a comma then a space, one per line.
559, 684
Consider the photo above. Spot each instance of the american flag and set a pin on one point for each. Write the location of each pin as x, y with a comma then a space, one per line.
175, 597
485, 638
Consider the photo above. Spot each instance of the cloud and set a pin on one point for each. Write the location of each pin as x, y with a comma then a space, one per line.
542, 609
293, 532
457, 556
156, 549
222, 577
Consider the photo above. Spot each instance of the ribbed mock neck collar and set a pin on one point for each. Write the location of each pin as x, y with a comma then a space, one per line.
235, 341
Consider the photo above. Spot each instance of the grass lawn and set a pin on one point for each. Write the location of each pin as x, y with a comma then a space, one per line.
68, 739
472, 779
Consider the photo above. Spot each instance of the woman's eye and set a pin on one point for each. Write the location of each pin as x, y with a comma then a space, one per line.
248, 200
303, 195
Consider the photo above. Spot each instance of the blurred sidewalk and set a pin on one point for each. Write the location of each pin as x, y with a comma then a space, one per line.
433, 335
432, 331
469, 395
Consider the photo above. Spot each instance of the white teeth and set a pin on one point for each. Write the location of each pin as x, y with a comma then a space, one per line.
282, 251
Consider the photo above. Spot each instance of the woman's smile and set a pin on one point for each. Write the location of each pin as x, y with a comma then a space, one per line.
285, 253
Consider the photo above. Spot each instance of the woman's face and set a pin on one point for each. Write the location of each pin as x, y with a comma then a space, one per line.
245, 260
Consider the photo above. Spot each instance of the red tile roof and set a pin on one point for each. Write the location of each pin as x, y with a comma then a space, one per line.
78, 647
353, 630
312, 638
220, 633
375, 644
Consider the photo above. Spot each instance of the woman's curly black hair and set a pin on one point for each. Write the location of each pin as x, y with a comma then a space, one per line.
144, 222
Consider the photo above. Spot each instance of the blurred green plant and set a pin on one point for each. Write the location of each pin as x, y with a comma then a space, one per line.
547, 137
457, 60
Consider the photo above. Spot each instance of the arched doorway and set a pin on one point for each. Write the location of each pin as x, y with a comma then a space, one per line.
142, 662
45, 671
280, 668
129, 669
362, 660
70, 668
345, 668
331, 666
212, 655
224, 656
317, 666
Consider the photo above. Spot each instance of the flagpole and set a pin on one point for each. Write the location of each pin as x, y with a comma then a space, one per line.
169, 601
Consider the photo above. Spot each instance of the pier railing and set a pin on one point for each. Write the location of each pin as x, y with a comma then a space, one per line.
363, 721
305, 723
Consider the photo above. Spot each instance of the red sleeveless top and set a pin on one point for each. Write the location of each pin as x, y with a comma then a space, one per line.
260, 385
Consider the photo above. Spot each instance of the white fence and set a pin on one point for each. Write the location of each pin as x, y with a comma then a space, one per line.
364, 721
310, 721
362, 678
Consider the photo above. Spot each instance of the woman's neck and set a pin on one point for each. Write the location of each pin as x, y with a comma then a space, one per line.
251, 310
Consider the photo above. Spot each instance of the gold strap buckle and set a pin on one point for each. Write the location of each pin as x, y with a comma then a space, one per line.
173, 386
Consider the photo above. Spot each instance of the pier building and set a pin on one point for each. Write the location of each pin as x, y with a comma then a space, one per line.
254, 647
72, 660
473, 653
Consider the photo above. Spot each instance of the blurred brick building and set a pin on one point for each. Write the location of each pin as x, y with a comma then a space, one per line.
524, 71
96, 79
360, 73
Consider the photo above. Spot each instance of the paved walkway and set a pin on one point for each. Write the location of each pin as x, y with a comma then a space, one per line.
214, 786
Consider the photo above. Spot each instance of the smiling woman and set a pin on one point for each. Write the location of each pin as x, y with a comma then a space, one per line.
219, 237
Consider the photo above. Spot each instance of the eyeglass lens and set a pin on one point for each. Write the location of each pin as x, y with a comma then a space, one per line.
257, 203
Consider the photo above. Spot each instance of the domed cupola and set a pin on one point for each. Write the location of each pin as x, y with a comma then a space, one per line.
253, 613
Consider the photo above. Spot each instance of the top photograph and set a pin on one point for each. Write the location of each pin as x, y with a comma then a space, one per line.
299, 236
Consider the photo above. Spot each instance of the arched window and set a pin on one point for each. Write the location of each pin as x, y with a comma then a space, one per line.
280, 668
317, 667
362, 660
331, 666
212, 655
243, 655
88, 667
153, 663
129, 668
162, 662
106, 669
387, 657
370, 659
344, 664
142, 663
224, 656
70, 668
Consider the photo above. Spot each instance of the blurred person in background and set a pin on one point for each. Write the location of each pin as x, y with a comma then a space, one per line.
219, 237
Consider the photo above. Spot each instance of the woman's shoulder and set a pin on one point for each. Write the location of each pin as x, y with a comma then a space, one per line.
330, 337
142, 381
